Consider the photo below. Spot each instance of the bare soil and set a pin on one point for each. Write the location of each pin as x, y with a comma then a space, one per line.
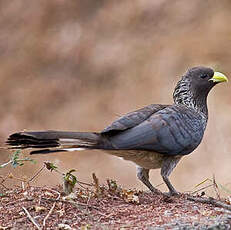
106, 207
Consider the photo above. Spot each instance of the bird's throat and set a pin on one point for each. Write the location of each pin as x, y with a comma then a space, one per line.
184, 95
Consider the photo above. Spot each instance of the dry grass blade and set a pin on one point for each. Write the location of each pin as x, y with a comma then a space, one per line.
203, 188
202, 182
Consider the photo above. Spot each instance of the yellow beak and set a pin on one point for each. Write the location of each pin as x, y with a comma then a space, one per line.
218, 77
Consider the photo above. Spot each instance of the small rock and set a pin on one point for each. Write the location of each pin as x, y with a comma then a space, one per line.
64, 227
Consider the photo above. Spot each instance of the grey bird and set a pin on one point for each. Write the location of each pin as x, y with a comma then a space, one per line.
156, 136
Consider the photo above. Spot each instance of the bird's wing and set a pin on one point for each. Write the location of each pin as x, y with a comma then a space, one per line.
132, 119
173, 130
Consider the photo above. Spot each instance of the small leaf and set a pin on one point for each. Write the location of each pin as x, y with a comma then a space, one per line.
33, 161
16, 161
112, 185
15, 158
71, 171
130, 196
69, 182
50, 166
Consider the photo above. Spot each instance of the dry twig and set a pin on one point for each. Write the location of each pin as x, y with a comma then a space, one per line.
215, 186
210, 200
31, 218
52, 208
96, 184
48, 214
36, 174
76, 204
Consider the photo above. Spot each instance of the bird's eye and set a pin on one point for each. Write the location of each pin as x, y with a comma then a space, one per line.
204, 76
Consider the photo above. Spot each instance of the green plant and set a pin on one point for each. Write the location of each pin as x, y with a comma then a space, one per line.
16, 160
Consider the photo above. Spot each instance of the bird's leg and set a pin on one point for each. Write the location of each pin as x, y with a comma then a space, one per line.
168, 165
143, 175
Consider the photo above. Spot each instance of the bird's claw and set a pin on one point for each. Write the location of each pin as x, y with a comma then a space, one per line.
171, 193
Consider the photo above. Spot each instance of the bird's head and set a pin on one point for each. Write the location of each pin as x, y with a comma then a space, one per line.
203, 79
192, 90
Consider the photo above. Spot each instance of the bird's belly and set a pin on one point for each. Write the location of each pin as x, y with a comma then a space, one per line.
145, 159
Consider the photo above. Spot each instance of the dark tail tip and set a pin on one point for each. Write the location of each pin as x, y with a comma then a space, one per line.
26, 140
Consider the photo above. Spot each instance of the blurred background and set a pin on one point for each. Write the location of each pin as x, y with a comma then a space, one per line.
78, 65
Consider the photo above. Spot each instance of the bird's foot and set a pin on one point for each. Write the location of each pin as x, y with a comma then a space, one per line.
171, 193
157, 191
154, 190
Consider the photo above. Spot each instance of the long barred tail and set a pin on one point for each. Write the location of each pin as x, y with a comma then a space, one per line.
54, 141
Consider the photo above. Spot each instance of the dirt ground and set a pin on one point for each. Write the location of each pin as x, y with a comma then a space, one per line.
78, 65
108, 207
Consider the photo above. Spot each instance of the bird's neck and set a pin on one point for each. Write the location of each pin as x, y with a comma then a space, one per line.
183, 95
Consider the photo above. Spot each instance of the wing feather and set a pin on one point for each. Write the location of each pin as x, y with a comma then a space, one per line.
166, 131
132, 119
